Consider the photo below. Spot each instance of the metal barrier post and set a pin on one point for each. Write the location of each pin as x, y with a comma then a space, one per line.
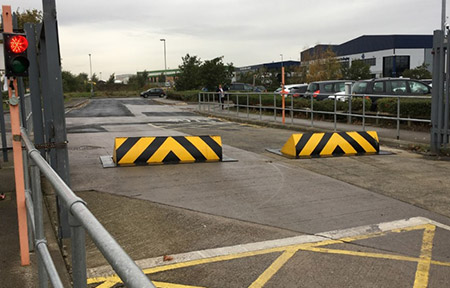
292, 110
248, 103
26, 179
312, 110
199, 101
348, 92
275, 107
237, 105
260, 108
364, 113
335, 110
78, 245
38, 220
398, 118
228, 103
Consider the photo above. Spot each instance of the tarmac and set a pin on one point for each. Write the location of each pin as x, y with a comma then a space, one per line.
15, 275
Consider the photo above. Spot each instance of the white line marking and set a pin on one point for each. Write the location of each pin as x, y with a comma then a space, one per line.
105, 271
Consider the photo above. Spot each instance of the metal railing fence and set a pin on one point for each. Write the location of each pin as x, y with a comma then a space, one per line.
251, 104
81, 219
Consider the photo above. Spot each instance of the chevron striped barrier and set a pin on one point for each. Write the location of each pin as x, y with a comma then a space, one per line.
172, 149
331, 144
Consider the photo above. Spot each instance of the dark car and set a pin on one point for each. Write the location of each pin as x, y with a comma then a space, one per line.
320, 90
153, 92
240, 87
390, 86
298, 91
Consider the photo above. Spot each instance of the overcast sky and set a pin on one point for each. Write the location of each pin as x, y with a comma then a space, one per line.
124, 36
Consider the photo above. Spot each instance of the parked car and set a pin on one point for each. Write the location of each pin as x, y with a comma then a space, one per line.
390, 86
320, 90
240, 87
298, 88
259, 89
340, 96
298, 91
153, 92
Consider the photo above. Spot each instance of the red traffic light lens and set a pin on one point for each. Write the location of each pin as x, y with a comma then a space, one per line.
18, 44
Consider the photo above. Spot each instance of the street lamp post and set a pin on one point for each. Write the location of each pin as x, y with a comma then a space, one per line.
165, 60
92, 84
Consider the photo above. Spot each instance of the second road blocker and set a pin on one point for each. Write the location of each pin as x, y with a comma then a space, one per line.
310, 145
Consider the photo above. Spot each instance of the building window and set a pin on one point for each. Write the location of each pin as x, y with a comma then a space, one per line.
370, 61
393, 66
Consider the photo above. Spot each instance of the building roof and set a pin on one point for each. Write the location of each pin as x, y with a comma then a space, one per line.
367, 43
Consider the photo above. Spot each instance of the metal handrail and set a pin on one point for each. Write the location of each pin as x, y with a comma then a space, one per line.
125, 267
204, 100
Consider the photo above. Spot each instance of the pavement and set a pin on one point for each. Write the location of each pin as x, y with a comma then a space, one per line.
206, 231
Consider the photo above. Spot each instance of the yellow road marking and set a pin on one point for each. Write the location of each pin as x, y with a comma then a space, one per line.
171, 285
423, 262
273, 269
423, 266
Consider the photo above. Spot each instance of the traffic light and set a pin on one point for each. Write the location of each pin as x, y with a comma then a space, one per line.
15, 49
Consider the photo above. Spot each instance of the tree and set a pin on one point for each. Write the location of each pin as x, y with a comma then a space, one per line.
111, 78
420, 72
214, 72
357, 71
28, 16
324, 66
139, 80
189, 76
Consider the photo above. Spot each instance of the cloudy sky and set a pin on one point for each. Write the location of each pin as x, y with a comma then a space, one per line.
124, 36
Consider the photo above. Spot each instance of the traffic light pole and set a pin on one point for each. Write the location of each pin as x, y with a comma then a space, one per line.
17, 152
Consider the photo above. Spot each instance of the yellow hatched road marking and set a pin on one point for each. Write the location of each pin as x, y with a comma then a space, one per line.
423, 267
273, 268
424, 261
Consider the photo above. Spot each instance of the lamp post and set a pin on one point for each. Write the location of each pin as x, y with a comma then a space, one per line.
92, 84
165, 60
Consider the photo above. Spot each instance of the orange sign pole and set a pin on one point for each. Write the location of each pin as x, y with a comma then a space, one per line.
17, 151
283, 101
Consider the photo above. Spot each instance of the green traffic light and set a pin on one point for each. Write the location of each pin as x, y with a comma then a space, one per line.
19, 64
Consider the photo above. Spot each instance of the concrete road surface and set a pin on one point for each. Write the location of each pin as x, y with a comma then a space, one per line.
267, 202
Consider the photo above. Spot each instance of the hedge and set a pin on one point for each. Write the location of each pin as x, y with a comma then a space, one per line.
412, 108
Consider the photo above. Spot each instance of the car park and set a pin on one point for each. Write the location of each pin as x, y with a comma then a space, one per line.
390, 86
153, 92
320, 90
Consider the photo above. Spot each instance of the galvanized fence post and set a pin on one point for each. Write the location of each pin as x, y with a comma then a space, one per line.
312, 110
398, 118
248, 108
38, 220
364, 112
292, 110
275, 107
78, 245
260, 107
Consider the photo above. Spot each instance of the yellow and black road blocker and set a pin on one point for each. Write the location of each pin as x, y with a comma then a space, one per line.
310, 145
131, 151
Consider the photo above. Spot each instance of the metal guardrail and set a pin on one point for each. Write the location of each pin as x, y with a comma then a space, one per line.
81, 219
209, 101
